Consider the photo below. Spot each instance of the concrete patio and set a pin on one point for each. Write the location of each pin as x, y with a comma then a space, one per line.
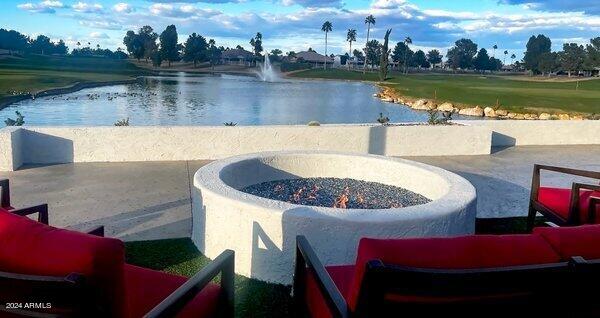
151, 200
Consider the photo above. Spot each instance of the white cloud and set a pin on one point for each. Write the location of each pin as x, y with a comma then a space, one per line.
98, 35
122, 7
47, 6
52, 4
87, 7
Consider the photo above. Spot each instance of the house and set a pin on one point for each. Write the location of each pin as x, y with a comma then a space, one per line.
237, 57
313, 57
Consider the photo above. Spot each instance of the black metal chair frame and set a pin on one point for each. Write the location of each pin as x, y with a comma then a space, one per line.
574, 215
380, 279
71, 289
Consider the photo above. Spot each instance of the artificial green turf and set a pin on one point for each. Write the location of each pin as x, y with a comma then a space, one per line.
253, 298
33, 73
512, 94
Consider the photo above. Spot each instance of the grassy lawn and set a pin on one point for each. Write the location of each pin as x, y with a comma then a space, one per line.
470, 90
34, 73
254, 298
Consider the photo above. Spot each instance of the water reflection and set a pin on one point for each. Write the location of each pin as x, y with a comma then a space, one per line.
184, 99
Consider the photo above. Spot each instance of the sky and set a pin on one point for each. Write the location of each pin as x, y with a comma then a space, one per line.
296, 24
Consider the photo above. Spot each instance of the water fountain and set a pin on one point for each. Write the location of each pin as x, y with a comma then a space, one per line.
266, 72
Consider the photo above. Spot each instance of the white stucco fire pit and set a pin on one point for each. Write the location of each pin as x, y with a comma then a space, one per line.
262, 231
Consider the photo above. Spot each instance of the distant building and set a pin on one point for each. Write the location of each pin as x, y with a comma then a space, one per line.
237, 57
312, 57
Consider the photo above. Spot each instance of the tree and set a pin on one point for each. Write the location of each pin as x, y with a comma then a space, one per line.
214, 53
512, 58
195, 49
494, 64
407, 41
326, 27
41, 45
169, 49
13, 40
495, 47
134, 45
373, 53
548, 63
592, 59
482, 60
572, 57
420, 60
275, 54
256, 43
369, 20
505, 53
358, 55
536, 46
399, 53
148, 38
350, 37
385, 53
434, 57
461, 54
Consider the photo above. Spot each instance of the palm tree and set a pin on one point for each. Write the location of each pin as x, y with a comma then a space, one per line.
494, 47
407, 41
327, 27
369, 20
505, 53
512, 58
350, 37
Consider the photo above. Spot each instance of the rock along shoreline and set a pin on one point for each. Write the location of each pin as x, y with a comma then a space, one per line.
6, 101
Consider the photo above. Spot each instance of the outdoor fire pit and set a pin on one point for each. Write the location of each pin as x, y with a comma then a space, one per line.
257, 204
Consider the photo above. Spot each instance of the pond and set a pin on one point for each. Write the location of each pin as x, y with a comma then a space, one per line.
187, 99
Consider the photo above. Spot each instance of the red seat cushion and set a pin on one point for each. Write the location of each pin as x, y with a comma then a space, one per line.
559, 201
465, 252
342, 277
30, 247
146, 288
581, 241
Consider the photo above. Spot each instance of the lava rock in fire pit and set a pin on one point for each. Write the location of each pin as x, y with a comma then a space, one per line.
336, 192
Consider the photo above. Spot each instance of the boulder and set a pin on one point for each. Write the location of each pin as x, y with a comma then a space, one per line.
489, 112
387, 99
519, 116
511, 115
545, 116
564, 117
314, 123
530, 116
577, 117
475, 111
501, 112
446, 107
421, 104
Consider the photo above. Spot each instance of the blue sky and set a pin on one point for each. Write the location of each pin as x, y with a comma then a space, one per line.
295, 24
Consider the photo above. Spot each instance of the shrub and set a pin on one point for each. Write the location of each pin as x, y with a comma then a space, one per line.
123, 122
15, 122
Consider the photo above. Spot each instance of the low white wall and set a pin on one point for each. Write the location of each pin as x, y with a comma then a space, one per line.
540, 132
46, 145
10, 148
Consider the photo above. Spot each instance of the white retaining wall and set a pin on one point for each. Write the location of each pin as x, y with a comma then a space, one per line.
46, 145
541, 132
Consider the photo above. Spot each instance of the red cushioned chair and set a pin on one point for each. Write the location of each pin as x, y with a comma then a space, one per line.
72, 274
433, 275
564, 207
